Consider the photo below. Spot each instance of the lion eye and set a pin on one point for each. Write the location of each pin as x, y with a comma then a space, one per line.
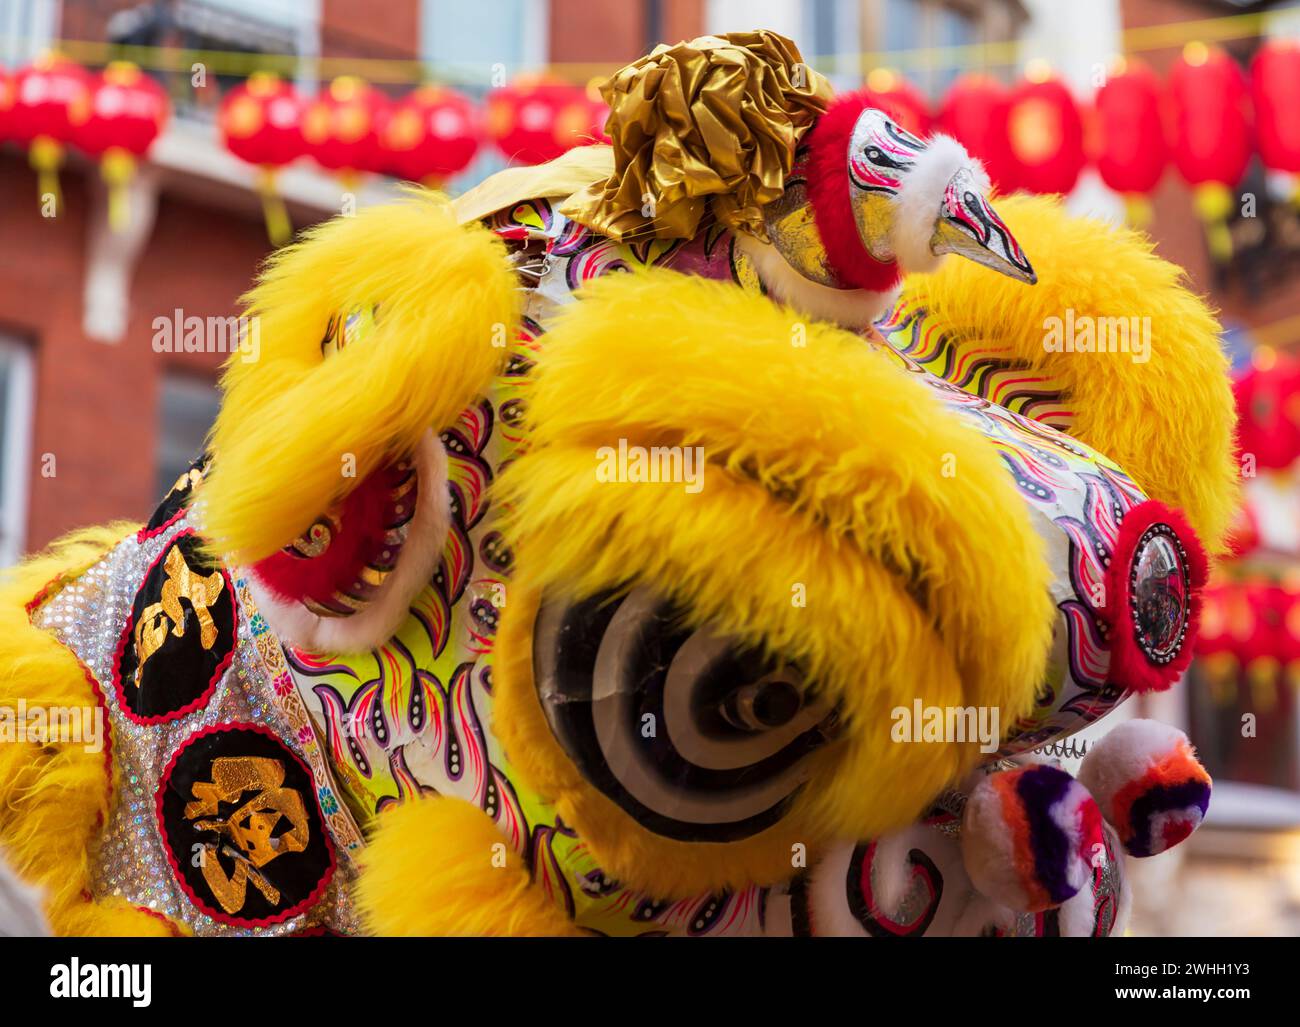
762, 705
696, 737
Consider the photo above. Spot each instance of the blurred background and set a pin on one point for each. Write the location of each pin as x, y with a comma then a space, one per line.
152, 154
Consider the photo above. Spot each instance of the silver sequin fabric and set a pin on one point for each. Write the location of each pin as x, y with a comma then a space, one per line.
89, 615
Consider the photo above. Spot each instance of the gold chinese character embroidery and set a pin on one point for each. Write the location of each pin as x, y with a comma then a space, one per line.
159, 618
247, 834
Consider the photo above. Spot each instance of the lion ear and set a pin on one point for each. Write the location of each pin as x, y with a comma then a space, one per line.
367, 334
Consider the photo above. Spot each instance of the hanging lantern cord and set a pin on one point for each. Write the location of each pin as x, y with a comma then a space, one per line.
46, 155
279, 229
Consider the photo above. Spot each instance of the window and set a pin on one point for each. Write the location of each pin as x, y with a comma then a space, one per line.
953, 28
26, 29
242, 26
929, 36
468, 40
904, 27
15, 446
1221, 699
831, 31
467, 43
187, 409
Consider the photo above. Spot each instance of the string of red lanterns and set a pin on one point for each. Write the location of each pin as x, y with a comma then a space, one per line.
1250, 613
1207, 119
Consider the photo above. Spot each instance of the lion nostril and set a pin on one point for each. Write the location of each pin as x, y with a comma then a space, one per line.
761, 706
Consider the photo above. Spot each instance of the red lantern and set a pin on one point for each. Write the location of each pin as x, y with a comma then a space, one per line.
971, 113
341, 126
128, 111
1130, 149
581, 121
261, 123
51, 100
532, 121
430, 135
1268, 410
1212, 141
902, 101
1275, 90
1044, 134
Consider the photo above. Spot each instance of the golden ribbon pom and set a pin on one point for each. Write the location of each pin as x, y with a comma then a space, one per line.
713, 121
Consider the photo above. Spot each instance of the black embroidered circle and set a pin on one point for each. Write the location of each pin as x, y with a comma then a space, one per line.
180, 637
242, 827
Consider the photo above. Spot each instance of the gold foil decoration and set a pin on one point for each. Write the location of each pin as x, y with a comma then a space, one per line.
247, 832
712, 123
569, 173
159, 618
315, 540
792, 231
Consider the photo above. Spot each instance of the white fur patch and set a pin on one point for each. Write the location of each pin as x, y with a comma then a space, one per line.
375, 624
917, 205
848, 308
21, 915
988, 850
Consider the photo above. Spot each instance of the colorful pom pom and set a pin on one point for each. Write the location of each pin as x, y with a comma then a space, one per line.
1149, 784
1029, 837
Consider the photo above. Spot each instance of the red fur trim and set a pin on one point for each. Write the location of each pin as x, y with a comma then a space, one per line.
1129, 666
363, 521
828, 194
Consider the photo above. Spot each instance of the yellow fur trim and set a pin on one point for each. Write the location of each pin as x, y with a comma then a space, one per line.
1168, 421
441, 867
825, 468
292, 421
53, 797
114, 918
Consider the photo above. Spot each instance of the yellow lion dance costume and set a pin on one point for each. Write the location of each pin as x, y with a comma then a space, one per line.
730, 597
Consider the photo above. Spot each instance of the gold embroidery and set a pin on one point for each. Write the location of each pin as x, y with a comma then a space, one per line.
187, 480
247, 832
202, 591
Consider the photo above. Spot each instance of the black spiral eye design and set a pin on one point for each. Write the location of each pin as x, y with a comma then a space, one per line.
695, 737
